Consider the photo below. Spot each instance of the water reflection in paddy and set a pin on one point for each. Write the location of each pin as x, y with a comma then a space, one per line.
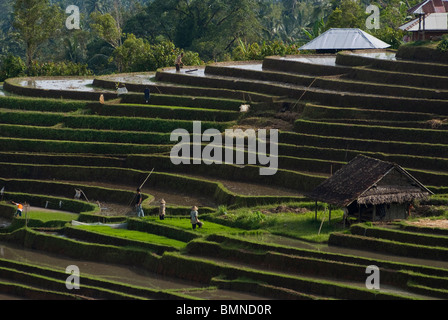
378, 55
327, 61
60, 84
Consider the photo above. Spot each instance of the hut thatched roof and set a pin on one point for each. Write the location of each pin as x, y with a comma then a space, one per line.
369, 181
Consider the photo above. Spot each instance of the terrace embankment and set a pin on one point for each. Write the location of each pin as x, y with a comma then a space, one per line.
334, 109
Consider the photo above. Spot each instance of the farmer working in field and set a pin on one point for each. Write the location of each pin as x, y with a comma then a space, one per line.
19, 209
179, 62
138, 203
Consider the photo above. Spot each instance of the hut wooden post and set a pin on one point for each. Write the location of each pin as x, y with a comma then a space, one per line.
329, 215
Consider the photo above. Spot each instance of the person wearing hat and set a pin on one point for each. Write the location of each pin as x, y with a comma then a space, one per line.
194, 218
162, 209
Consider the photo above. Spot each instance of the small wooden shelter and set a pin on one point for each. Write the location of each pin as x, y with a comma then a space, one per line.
431, 20
371, 190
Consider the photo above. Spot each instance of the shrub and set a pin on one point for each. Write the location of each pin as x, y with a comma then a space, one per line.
137, 54
254, 51
443, 44
62, 68
12, 67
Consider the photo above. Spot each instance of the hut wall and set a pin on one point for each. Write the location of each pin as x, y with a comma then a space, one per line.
370, 213
396, 211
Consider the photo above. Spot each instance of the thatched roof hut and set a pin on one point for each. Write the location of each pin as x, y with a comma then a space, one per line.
367, 182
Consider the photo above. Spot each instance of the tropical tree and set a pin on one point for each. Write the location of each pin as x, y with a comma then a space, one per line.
130, 56
137, 54
36, 21
316, 30
107, 28
210, 27
348, 14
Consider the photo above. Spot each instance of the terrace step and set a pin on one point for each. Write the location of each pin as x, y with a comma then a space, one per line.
161, 93
295, 64
305, 285
364, 258
372, 132
145, 241
400, 236
80, 147
65, 189
62, 158
425, 230
306, 267
122, 290
315, 111
409, 67
389, 247
423, 170
339, 83
294, 144
437, 124
84, 135
398, 78
74, 121
177, 183
17, 289
316, 95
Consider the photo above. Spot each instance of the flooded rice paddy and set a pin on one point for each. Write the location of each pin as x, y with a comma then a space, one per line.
325, 61
86, 84
60, 84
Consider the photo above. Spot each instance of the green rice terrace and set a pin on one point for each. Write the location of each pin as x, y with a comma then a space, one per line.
262, 237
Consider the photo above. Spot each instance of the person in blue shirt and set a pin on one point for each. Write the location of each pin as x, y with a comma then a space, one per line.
147, 94
138, 204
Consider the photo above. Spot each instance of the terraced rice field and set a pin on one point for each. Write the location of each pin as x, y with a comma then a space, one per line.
55, 140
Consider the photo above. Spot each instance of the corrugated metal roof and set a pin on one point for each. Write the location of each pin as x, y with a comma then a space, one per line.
433, 21
344, 39
430, 6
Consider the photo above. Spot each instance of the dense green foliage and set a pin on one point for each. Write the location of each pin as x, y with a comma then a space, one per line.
141, 36
443, 44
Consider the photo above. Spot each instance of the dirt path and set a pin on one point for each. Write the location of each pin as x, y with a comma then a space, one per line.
443, 224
